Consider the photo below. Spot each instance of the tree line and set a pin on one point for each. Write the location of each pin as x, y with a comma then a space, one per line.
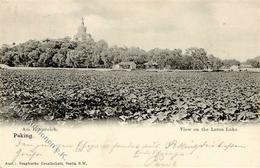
255, 62
90, 54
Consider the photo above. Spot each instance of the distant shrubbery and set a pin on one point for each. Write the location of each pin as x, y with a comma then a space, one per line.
68, 53
255, 62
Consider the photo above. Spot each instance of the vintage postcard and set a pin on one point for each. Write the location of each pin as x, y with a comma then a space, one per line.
129, 83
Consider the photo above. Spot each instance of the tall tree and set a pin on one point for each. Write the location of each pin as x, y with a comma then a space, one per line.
214, 62
199, 57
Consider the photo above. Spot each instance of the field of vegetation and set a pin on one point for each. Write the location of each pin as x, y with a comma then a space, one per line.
132, 97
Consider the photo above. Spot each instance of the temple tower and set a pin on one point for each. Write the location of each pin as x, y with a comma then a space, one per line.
82, 32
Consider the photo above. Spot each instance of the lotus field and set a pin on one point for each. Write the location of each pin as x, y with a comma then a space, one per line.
131, 97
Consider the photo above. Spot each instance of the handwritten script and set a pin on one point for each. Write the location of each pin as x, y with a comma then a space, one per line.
155, 154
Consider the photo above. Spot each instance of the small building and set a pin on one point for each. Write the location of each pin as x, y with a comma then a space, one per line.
3, 66
116, 66
167, 68
125, 66
224, 68
208, 70
151, 65
245, 67
234, 68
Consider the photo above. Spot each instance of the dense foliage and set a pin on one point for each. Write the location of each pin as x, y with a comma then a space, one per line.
230, 62
68, 53
255, 62
130, 96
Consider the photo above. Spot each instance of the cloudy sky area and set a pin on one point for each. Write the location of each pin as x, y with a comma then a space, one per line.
225, 28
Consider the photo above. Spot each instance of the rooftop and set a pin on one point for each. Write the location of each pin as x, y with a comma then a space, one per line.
127, 63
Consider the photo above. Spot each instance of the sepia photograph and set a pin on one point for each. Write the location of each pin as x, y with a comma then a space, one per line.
169, 61
160, 83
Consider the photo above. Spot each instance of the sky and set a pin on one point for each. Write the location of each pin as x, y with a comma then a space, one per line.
228, 29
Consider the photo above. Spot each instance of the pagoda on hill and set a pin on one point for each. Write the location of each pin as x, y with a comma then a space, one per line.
82, 34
